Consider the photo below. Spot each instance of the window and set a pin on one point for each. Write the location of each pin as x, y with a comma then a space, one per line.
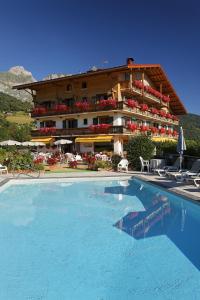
69, 87
85, 121
64, 122
50, 123
42, 124
72, 123
84, 85
95, 121
106, 120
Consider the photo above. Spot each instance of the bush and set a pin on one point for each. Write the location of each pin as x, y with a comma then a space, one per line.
139, 146
101, 164
38, 167
115, 160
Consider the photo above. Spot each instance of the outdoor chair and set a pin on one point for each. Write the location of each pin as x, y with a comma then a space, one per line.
123, 165
183, 175
174, 168
144, 163
3, 169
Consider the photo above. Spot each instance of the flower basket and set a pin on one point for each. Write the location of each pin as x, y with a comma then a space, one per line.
132, 103
162, 130
82, 106
162, 113
144, 107
100, 128
60, 108
39, 110
133, 127
144, 128
112, 103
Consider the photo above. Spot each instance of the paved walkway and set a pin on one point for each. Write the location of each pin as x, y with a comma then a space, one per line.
189, 191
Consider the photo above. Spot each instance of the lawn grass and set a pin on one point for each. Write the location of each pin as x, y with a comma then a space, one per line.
65, 170
20, 118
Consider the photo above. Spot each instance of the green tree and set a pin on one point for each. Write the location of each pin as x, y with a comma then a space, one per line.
139, 146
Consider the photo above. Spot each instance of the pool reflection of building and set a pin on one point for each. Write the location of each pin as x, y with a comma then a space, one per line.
139, 223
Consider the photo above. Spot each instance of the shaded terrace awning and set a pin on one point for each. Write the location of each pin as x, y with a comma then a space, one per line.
46, 140
94, 139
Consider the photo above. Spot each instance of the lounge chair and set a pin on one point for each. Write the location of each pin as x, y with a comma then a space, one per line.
165, 169
3, 169
185, 174
123, 165
144, 163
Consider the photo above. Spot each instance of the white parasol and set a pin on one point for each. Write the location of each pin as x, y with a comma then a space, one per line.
62, 142
10, 143
28, 144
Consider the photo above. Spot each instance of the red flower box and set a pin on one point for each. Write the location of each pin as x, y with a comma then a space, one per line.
165, 98
132, 103
162, 113
108, 103
47, 130
168, 131
168, 116
60, 108
138, 84
175, 133
154, 130
132, 126
144, 128
39, 110
83, 106
154, 111
144, 107
162, 130
100, 127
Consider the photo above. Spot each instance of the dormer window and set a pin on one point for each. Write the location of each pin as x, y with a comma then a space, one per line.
69, 87
84, 85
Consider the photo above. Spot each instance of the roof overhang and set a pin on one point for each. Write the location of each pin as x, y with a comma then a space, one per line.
154, 71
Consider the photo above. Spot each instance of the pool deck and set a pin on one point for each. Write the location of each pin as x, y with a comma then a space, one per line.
179, 188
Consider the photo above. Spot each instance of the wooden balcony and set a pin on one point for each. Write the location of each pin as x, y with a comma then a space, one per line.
79, 131
75, 110
121, 106
134, 91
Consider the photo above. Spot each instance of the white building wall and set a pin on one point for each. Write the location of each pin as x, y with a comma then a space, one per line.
117, 120
59, 124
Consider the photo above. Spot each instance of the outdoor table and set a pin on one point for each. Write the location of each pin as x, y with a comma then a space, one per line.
156, 163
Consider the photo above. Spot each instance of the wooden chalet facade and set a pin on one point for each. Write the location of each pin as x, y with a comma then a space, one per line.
102, 109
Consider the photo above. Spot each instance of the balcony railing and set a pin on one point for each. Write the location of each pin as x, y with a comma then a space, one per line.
127, 90
119, 106
76, 110
79, 131
73, 132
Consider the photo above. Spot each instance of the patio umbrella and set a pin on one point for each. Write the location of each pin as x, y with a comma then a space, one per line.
181, 146
28, 144
38, 144
62, 142
10, 143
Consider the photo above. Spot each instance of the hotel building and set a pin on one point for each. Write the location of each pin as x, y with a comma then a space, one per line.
103, 108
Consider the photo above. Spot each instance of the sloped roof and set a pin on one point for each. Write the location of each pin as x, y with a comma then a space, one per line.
153, 71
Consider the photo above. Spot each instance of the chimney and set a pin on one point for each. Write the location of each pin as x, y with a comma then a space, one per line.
130, 61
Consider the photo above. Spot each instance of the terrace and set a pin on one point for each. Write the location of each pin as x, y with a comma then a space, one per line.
130, 105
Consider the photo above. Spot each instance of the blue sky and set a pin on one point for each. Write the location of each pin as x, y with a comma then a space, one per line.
72, 36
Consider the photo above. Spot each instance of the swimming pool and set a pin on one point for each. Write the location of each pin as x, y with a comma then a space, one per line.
102, 239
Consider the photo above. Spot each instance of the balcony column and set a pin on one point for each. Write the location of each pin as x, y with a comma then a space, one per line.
119, 95
118, 146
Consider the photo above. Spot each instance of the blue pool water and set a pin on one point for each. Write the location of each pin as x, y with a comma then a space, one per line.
104, 240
